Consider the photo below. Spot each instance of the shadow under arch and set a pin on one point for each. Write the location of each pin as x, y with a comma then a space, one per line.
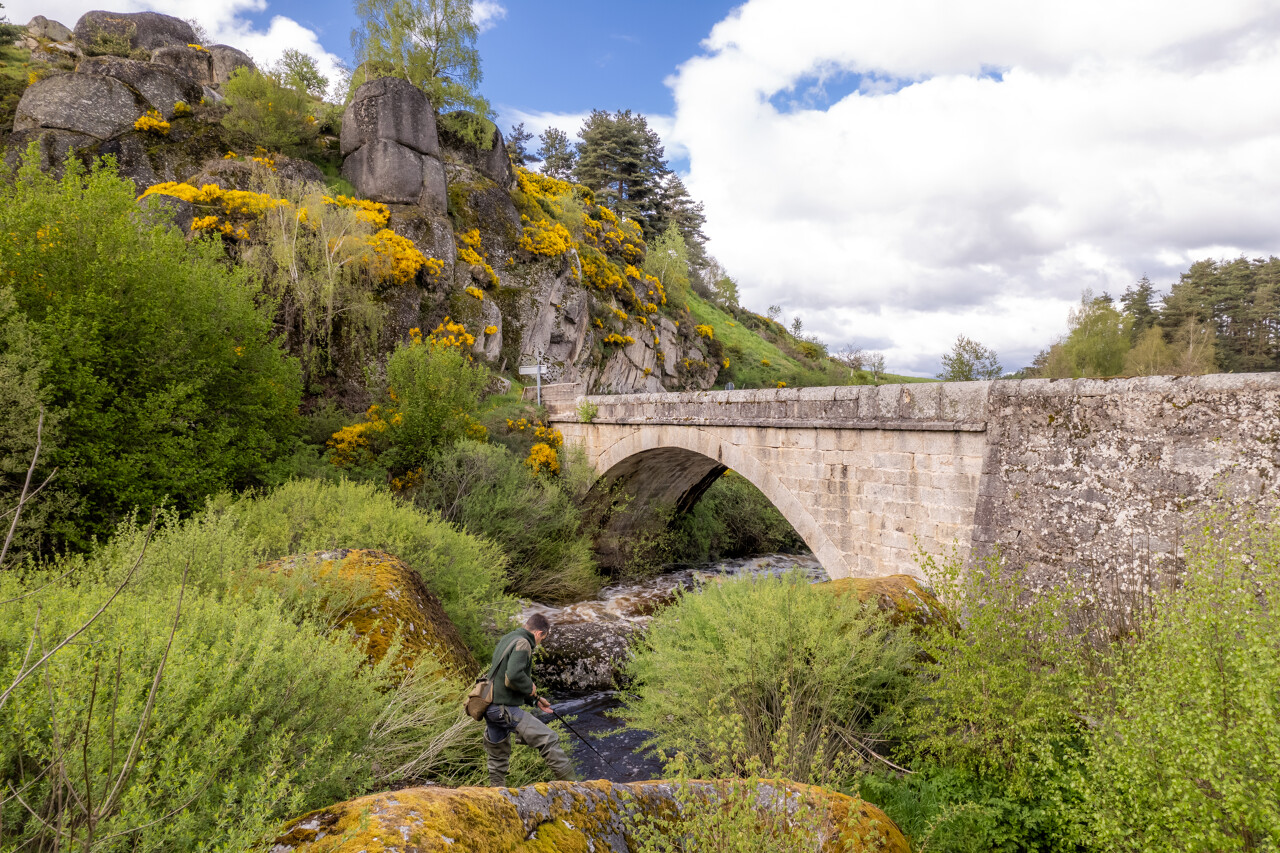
677, 467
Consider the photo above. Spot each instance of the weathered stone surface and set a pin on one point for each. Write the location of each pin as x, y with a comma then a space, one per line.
584, 656
147, 30
492, 162
186, 60
53, 147
101, 107
59, 54
388, 172
556, 816
242, 174
393, 109
225, 60
43, 28
161, 85
902, 597
388, 593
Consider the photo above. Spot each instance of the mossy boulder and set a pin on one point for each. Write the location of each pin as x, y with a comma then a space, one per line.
145, 30
376, 593
903, 597
555, 817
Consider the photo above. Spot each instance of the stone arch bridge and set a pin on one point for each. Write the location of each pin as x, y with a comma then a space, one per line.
1087, 480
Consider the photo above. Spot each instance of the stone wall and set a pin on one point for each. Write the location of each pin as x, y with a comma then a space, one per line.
1091, 482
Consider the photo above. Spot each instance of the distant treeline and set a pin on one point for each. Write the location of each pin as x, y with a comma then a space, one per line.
1221, 316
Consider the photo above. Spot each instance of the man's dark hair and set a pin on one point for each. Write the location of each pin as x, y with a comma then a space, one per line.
538, 622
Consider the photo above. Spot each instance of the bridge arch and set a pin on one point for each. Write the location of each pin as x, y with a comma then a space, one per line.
677, 465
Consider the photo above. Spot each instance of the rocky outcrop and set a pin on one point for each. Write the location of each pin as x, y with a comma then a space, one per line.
160, 85
559, 816
193, 62
390, 148
902, 597
225, 60
52, 147
96, 106
145, 30
41, 27
492, 161
242, 175
377, 594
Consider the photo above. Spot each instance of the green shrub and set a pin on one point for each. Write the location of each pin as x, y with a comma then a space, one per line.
492, 493
733, 519
1187, 756
256, 718
813, 679
158, 361
265, 114
467, 573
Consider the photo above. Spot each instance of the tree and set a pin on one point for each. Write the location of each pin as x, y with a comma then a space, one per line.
719, 285
264, 113
430, 43
8, 32
852, 357
621, 160
969, 361
558, 157
1096, 343
516, 145
875, 363
797, 326
1240, 302
299, 72
668, 261
1139, 304
157, 356
774, 312
676, 206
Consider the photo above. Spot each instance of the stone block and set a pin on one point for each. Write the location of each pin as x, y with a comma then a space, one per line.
392, 109
97, 106
386, 171
186, 60
921, 401
963, 402
225, 60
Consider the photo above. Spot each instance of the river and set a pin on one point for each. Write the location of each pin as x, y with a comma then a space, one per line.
597, 631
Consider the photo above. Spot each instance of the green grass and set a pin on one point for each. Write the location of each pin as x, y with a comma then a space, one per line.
748, 350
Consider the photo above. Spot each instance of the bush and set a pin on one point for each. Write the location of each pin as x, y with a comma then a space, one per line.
811, 679
733, 519
1188, 755
492, 493
267, 115
158, 362
256, 718
467, 573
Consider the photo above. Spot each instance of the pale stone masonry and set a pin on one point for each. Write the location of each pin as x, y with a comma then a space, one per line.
1091, 480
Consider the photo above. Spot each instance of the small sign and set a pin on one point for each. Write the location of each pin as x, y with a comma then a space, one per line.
534, 370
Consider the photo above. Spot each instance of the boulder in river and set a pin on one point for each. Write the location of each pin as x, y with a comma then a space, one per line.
376, 593
554, 816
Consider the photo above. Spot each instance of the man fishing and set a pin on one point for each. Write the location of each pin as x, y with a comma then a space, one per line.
512, 687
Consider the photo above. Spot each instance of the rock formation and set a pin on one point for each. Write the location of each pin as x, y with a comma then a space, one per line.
378, 595
556, 816
902, 597
144, 30
389, 143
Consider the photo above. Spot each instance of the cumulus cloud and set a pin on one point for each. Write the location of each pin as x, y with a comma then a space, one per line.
486, 14
227, 22
927, 168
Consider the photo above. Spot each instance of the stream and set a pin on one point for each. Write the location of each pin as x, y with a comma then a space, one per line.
588, 644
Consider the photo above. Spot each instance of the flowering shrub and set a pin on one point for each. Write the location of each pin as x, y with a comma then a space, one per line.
705, 331
374, 212
476, 292
543, 237
764, 362
181, 109
198, 47
152, 122
491, 330
615, 338
620, 314
399, 259
470, 252
542, 459
781, 384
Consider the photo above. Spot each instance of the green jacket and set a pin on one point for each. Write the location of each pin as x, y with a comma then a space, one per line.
514, 684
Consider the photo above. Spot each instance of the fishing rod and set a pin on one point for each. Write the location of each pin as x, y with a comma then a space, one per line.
584, 740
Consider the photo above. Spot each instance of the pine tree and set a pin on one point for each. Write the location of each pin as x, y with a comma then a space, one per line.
558, 157
516, 145
676, 207
620, 159
1139, 304
1240, 301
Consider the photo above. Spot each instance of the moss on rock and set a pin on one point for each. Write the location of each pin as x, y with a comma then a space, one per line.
903, 597
555, 817
384, 594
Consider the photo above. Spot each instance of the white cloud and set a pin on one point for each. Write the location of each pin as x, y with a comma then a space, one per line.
226, 21
487, 13
1000, 156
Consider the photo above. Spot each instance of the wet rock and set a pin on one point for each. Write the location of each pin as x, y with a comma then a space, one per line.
189, 61
561, 816
378, 592
146, 30
225, 60
101, 107
584, 656
42, 28
161, 85
393, 109
903, 597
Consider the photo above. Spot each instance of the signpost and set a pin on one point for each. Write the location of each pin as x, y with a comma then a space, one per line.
535, 370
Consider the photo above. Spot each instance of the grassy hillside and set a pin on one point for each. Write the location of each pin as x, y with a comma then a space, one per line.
760, 353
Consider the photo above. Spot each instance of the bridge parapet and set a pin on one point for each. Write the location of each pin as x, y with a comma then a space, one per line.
935, 406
